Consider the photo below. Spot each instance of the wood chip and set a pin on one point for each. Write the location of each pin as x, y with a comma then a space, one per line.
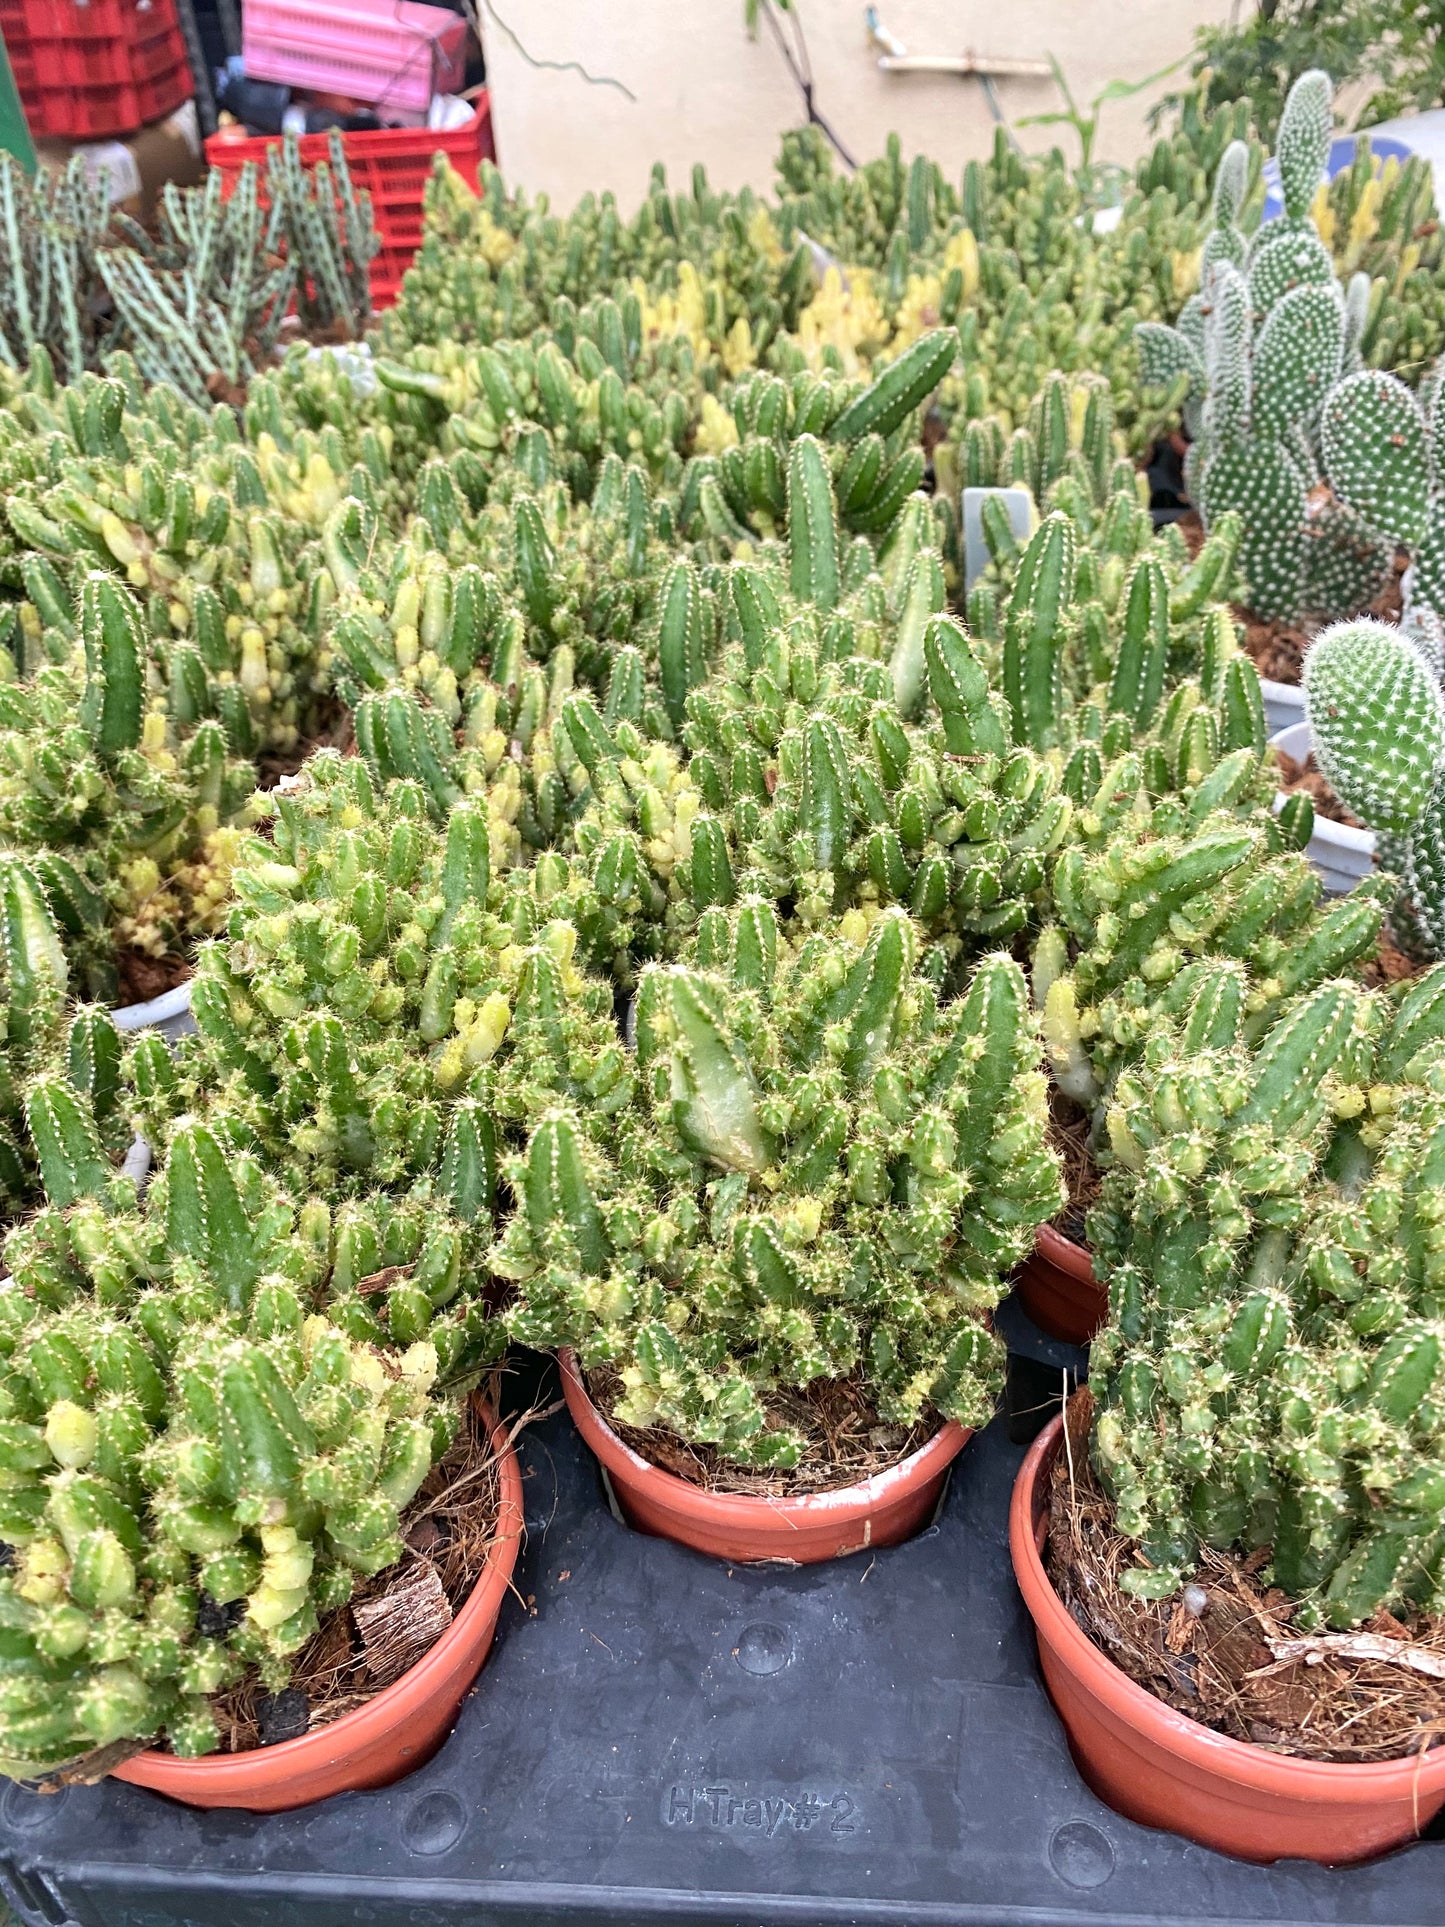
1370, 1646
398, 1628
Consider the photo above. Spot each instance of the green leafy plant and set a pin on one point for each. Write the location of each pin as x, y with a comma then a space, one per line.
1096, 179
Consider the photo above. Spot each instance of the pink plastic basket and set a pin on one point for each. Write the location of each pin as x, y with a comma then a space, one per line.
393, 53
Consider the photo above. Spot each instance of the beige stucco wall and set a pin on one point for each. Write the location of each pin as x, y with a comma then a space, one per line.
704, 91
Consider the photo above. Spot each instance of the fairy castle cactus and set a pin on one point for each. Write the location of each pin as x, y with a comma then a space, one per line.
1267, 1377
1068, 445
805, 785
817, 458
209, 533
79, 1049
823, 1171
1106, 631
197, 1462
378, 1019
127, 826
1153, 900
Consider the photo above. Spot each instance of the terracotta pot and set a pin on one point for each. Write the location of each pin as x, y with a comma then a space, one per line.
389, 1736
1057, 1288
1158, 1767
879, 1511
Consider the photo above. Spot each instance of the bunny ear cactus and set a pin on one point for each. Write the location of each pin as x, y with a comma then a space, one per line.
1377, 454
1266, 1379
1377, 721
1261, 390
1269, 360
1225, 242
822, 1172
1289, 253
1302, 147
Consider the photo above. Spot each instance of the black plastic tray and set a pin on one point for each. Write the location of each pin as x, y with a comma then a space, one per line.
661, 1739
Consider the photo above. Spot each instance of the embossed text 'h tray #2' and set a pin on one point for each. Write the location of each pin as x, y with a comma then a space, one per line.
660, 1737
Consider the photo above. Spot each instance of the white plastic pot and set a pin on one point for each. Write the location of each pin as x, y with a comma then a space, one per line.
170, 1014
1342, 855
1284, 704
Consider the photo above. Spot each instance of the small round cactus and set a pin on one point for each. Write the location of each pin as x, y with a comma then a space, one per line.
1377, 719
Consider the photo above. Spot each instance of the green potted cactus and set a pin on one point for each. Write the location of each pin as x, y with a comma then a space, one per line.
805, 1204
129, 825
1375, 721
220, 1401
200, 1461
1271, 334
1263, 1417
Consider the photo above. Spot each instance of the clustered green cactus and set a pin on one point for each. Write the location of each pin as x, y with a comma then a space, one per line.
200, 303
1270, 358
1377, 722
127, 827
42, 1031
636, 985
821, 1171
196, 1462
1268, 1377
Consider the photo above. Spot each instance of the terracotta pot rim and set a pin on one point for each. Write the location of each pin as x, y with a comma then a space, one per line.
359, 1729
842, 1503
1076, 1259
1201, 1746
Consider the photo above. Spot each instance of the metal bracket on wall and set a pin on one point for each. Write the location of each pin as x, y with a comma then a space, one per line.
984, 68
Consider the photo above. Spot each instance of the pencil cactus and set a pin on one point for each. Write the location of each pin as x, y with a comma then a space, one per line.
822, 1171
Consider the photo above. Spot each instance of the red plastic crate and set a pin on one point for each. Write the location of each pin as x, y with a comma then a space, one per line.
392, 166
95, 69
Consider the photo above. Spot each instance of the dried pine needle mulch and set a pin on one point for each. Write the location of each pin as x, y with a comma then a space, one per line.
846, 1441
392, 1619
1238, 1665
1070, 1129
